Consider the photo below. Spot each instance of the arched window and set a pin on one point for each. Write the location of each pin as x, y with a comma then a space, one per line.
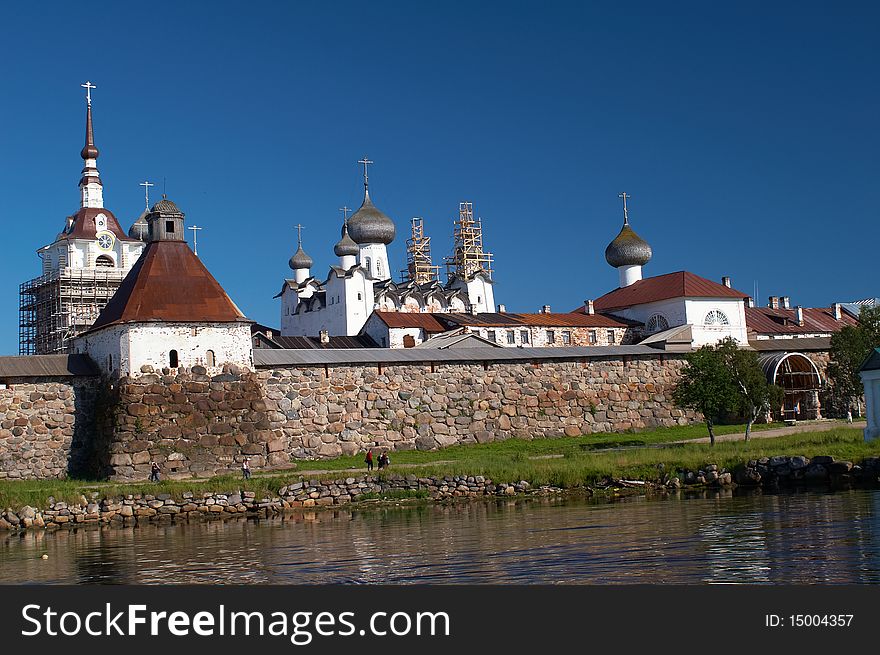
172, 359
716, 318
657, 323
379, 267
369, 265
209, 358
104, 261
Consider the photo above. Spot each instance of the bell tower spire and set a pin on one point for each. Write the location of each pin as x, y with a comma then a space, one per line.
91, 189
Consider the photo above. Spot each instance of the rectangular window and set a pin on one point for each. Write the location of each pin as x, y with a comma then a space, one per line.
169, 227
551, 336
593, 336
511, 336
566, 337
611, 339
491, 336
524, 336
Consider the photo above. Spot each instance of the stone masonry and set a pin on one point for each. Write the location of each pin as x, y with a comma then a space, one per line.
325, 412
45, 426
190, 423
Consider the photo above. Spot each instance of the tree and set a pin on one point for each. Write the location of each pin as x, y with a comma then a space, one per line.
706, 386
753, 393
849, 349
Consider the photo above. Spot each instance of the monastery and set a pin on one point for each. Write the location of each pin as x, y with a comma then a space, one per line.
135, 314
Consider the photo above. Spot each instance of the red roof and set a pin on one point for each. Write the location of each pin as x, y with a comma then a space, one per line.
169, 283
84, 225
662, 287
766, 320
506, 319
427, 322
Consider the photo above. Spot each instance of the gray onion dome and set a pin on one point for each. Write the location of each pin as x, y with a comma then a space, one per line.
300, 259
346, 245
369, 225
140, 230
628, 249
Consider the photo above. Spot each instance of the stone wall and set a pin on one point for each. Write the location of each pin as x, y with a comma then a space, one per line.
328, 411
191, 423
46, 426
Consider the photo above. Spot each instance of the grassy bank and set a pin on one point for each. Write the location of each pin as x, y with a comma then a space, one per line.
564, 462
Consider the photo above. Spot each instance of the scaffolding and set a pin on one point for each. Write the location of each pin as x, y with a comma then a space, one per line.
57, 306
419, 268
468, 255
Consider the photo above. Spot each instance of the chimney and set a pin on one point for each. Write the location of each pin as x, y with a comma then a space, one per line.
324, 336
786, 304
269, 333
750, 302
588, 307
726, 281
474, 310
545, 309
502, 308
774, 302
799, 312
837, 312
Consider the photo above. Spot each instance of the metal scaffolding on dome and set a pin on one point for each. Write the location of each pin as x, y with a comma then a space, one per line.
468, 255
57, 306
419, 268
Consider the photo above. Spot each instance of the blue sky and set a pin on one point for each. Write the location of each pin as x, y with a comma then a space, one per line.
746, 134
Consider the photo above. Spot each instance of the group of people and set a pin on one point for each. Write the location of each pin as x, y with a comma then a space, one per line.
383, 461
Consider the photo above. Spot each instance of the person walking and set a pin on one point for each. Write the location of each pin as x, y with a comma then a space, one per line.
368, 460
246, 468
849, 415
154, 472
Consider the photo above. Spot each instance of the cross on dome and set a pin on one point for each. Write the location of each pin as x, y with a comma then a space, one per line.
299, 233
624, 195
366, 162
345, 210
146, 184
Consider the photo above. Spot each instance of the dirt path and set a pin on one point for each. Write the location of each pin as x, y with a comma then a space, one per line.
778, 432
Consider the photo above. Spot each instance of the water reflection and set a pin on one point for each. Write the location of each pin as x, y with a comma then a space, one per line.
717, 537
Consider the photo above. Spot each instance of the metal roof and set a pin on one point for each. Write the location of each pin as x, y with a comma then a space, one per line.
169, 283
628, 249
427, 322
567, 319
766, 320
312, 343
873, 361
795, 344
680, 284
271, 358
457, 339
47, 366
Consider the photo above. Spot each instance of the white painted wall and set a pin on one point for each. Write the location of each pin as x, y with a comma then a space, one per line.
871, 382
349, 302
629, 274
480, 292
693, 311
377, 256
123, 349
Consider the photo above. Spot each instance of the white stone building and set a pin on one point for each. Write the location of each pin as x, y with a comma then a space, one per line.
81, 268
710, 310
870, 374
360, 283
169, 312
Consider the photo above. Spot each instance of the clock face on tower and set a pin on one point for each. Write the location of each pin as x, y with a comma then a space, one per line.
105, 240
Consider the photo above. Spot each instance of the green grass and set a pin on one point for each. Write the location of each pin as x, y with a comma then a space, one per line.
581, 463
560, 446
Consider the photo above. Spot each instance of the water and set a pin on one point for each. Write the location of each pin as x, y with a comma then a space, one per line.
719, 537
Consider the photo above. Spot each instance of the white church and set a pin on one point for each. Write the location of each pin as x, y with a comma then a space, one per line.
361, 283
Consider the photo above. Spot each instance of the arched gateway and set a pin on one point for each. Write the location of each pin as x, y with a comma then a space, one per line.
801, 381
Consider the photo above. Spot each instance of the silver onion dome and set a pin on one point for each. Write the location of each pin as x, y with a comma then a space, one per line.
140, 229
346, 245
300, 259
370, 225
628, 249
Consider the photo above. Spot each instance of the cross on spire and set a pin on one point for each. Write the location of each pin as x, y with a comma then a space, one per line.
299, 234
88, 86
366, 162
344, 211
146, 186
624, 195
